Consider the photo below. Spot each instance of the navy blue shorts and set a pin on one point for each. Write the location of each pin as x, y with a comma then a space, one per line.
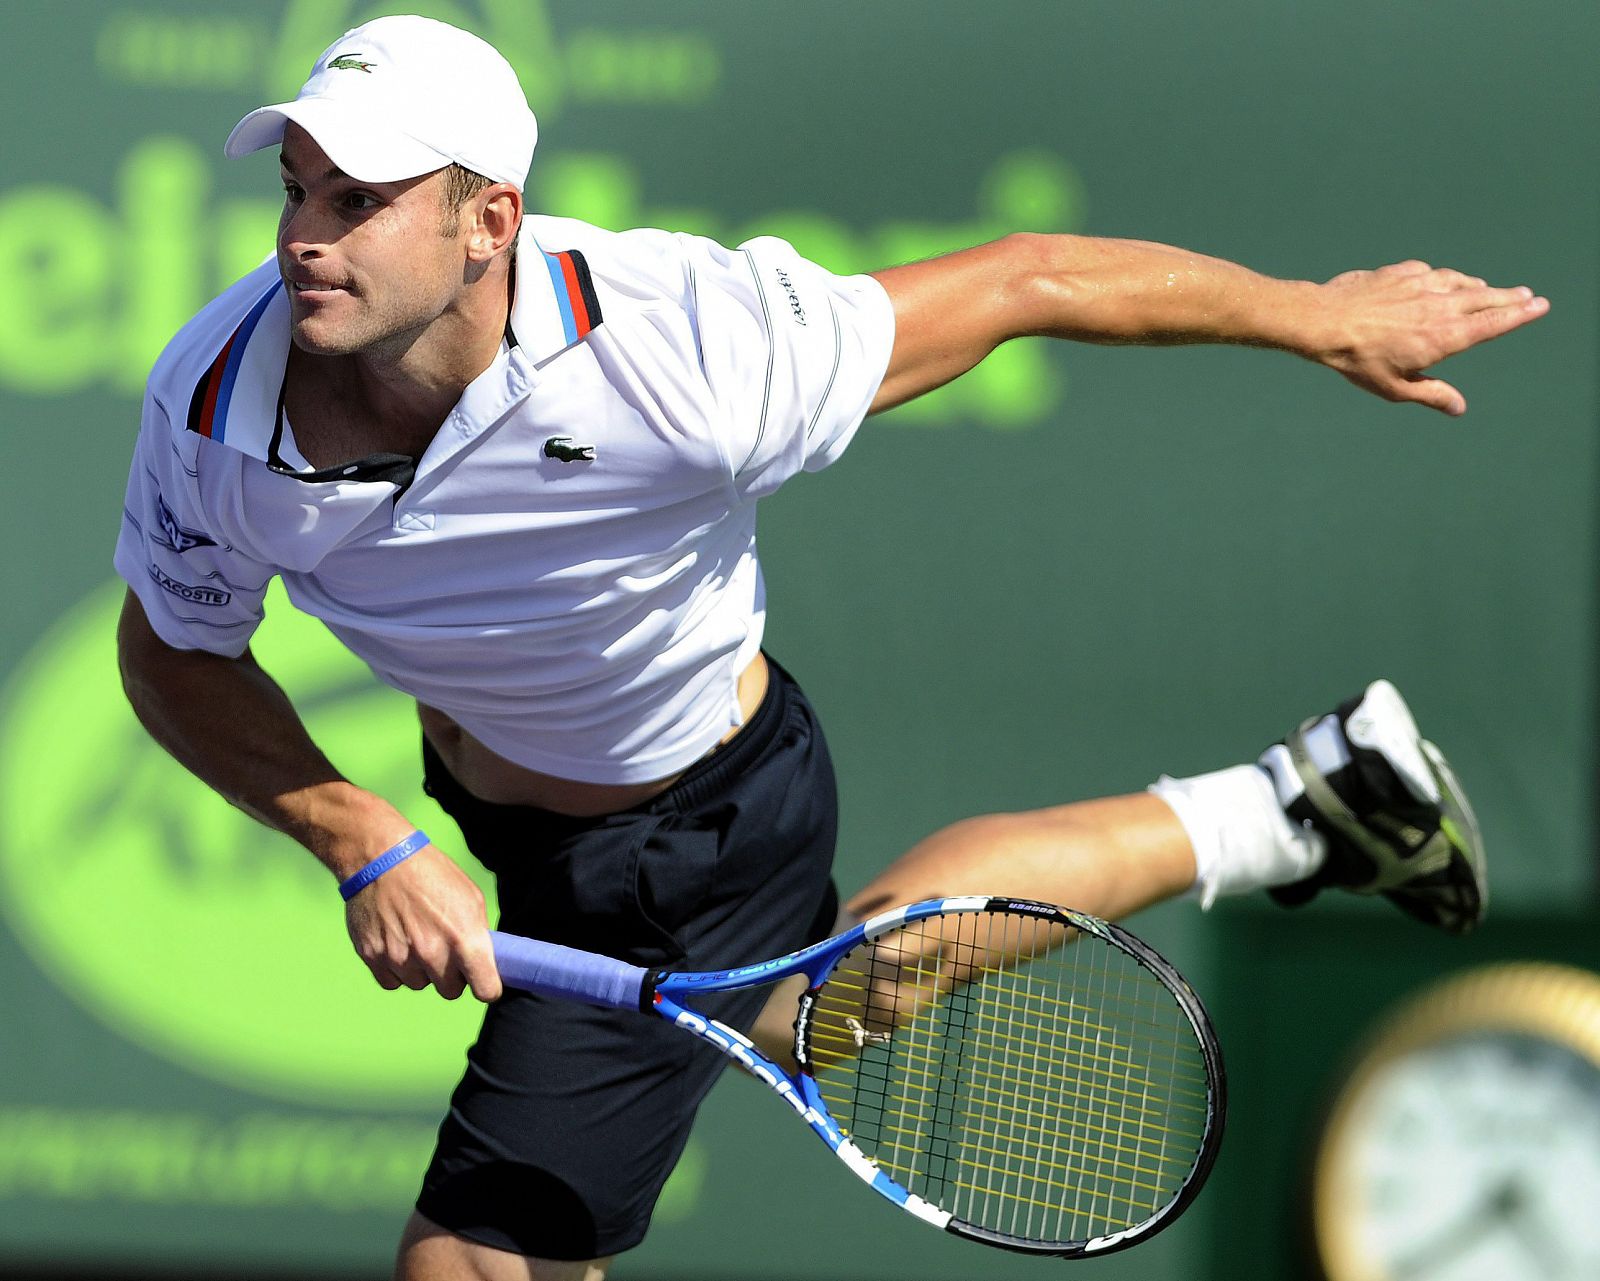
569, 1119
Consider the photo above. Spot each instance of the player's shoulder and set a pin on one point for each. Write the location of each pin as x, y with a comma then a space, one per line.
195, 347
651, 263
642, 264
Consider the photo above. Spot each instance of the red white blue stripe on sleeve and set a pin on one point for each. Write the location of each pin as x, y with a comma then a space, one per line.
574, 293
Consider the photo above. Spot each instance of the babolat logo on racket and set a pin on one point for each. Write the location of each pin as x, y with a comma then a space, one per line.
1022, 905
802, 1029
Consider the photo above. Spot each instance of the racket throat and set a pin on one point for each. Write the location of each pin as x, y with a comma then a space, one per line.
647, 990
731, 1042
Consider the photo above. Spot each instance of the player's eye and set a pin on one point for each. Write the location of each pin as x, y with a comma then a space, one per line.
361, 201
292, 192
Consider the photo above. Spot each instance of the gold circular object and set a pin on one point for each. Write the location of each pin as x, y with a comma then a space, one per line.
1466, 1141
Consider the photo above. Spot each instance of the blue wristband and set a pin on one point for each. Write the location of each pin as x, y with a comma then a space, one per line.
397, 853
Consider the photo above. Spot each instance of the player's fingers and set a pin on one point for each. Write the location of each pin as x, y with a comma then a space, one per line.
1410, 267
436, 958
1483, 298
415, 978
448, 965
408, 969
1435, 393
1491, 322
1449, 280
478, 967
450, 984
374, 956
382, 974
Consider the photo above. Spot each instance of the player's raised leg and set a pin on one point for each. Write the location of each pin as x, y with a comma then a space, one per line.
1108, 857
1355, 799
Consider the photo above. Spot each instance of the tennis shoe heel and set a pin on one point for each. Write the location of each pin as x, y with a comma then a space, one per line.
1394, 815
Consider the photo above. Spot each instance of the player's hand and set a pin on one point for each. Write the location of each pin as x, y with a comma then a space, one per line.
1384, 329
422, 924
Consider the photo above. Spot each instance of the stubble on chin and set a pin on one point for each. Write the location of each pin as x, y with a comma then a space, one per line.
313, 343
324, 336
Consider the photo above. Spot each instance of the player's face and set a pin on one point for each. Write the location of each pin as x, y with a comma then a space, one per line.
364, 263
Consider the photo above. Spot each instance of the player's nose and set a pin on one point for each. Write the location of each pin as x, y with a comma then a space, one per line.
305, 232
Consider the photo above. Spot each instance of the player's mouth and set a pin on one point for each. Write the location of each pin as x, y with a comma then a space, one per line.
315, 290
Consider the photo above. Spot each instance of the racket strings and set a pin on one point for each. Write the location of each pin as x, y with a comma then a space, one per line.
1181, 1096
1046, 1091
838, 1049
838, 995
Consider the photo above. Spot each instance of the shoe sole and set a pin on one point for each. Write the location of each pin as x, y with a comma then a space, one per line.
1460, 825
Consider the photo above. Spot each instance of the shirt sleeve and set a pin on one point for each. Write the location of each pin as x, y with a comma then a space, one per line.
793, 355
197, 590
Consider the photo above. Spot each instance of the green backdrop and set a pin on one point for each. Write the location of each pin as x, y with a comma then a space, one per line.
1071, 571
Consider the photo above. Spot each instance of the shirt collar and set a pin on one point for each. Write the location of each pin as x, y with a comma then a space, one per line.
236, 399
556, 305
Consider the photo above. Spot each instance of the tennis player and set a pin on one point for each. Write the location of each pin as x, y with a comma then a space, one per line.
513, 462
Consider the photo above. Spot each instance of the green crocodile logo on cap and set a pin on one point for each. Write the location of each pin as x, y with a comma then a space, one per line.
350, 62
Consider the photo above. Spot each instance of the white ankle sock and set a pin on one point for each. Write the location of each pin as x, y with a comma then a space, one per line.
1243, 841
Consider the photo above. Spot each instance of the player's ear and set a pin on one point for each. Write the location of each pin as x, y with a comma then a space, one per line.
498, 215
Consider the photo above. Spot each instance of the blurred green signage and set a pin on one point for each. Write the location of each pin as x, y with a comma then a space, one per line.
1025, 597
89, 294
195, 932
182, 922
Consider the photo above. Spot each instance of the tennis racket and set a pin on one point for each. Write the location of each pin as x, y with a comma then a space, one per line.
1015, 1073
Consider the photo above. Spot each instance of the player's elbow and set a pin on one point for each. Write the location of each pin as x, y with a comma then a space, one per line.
1040, 281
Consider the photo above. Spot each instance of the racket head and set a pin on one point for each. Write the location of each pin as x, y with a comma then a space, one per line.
1042, 1077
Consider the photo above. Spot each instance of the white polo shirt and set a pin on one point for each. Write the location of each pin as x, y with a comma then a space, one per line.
569, 570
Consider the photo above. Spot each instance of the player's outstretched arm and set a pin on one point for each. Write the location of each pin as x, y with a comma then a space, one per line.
1381, 329
225, 720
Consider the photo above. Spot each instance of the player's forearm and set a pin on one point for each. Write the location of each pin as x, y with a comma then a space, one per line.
1382, 329
1104, 290
953, 311
231, 725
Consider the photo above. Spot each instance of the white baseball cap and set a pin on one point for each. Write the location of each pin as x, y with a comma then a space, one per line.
402, 96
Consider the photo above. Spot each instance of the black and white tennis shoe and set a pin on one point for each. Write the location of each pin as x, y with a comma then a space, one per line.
1396, 820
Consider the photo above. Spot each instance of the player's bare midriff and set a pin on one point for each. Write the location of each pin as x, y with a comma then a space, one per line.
491, 777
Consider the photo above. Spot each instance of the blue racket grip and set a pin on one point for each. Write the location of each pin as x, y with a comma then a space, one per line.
553, 970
